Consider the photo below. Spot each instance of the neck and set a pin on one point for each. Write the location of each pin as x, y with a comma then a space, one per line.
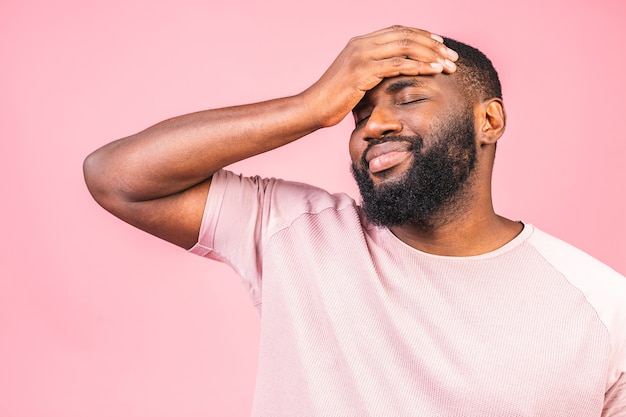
468, 229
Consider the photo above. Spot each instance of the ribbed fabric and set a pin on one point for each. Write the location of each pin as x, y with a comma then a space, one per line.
356, 323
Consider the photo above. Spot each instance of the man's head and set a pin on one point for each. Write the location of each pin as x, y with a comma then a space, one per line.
476, 74
417, 140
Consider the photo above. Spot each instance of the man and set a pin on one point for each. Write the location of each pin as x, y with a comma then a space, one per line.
422, 302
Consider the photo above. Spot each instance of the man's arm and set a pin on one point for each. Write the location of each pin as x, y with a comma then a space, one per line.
158, 179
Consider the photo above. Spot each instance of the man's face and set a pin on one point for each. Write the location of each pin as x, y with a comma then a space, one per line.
413, 148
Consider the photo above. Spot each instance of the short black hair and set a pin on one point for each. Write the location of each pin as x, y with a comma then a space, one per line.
477, 74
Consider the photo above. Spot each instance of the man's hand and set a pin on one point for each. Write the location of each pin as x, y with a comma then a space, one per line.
367, 60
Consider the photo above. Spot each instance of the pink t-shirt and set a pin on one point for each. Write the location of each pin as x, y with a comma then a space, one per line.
357, 323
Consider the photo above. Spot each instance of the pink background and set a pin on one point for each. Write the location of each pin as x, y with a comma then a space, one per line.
98, 319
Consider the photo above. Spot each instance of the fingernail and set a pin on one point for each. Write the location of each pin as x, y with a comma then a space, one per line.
437, 66
452, 54
436, 37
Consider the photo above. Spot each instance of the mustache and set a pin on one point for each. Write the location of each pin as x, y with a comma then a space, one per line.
416, 144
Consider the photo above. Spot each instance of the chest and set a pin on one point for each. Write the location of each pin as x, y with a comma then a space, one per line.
504, 337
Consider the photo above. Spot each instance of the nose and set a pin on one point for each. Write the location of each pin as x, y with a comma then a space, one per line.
381, 122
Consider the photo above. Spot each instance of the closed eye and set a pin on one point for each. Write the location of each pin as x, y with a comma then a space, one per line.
361, 116
360, 120
411, 100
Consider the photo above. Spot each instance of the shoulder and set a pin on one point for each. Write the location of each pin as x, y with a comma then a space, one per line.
277, 192
579, 267
603, 288
273, 204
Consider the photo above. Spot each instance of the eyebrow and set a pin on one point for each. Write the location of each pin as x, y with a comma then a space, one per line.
404, 83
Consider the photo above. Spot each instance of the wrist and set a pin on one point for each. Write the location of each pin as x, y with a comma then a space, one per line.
319, 108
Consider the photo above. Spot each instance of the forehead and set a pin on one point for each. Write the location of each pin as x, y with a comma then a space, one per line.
445, 84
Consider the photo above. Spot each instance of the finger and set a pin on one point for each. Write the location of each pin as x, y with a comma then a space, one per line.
405, 36
409, 49
398, 29
392, 67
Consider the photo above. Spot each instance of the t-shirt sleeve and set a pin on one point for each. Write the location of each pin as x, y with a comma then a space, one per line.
605, 290
615, 399
243, 213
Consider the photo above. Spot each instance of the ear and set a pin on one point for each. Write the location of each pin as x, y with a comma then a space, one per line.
490, 121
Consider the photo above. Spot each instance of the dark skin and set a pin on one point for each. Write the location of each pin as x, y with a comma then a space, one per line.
158, 179
405, 106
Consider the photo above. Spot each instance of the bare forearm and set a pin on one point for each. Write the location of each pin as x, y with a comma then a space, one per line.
178, 153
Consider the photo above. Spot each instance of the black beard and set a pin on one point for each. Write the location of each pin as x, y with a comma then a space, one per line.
429, 184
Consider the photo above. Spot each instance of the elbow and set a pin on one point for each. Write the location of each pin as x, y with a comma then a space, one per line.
98, 179
92, 176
